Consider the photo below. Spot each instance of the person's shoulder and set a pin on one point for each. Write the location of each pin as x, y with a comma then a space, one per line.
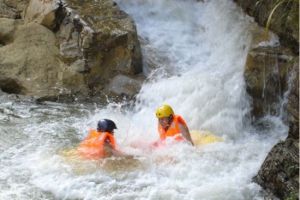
180, 119
92, 132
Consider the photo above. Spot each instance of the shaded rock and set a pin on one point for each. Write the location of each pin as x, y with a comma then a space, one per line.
124, 86
266, 73
280, 171
272, 80
11, 86
7, 29
293, 102
47, 13
279, 174
284, 21
155, 62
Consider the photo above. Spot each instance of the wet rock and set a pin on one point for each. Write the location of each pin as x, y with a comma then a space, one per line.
284, 21
293, 102
124, 86
272, 76
266, 74
280, 171
155, 62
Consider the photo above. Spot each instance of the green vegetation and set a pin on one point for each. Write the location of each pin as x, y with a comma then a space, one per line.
292, 196
277, 4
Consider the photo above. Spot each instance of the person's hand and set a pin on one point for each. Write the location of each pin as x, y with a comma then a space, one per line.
155, 144
129, 156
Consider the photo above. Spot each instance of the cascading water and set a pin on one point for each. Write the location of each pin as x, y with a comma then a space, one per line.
205, 46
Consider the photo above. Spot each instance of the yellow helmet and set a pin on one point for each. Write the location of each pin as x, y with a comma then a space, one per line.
164, 111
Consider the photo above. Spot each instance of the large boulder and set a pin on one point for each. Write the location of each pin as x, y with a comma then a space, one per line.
31, 63
68, 48
279, 173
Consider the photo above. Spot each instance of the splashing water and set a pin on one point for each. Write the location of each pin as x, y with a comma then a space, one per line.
205, 46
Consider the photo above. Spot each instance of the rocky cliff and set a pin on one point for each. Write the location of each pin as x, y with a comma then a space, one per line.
66, 50
272, 78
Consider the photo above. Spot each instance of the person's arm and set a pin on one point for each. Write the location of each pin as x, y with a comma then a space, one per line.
108, 148
186, 133
110, 151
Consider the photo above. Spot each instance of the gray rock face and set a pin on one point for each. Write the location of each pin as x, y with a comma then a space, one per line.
104, 35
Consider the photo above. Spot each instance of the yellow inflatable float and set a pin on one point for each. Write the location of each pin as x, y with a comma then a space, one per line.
199, 138
81, 166
204, 137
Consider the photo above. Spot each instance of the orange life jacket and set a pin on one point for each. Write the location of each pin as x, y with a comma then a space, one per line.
93, 145
173, 130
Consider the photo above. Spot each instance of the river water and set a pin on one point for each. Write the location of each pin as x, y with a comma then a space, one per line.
199, 51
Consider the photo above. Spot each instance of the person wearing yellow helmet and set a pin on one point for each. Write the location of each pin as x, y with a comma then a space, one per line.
171, 125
